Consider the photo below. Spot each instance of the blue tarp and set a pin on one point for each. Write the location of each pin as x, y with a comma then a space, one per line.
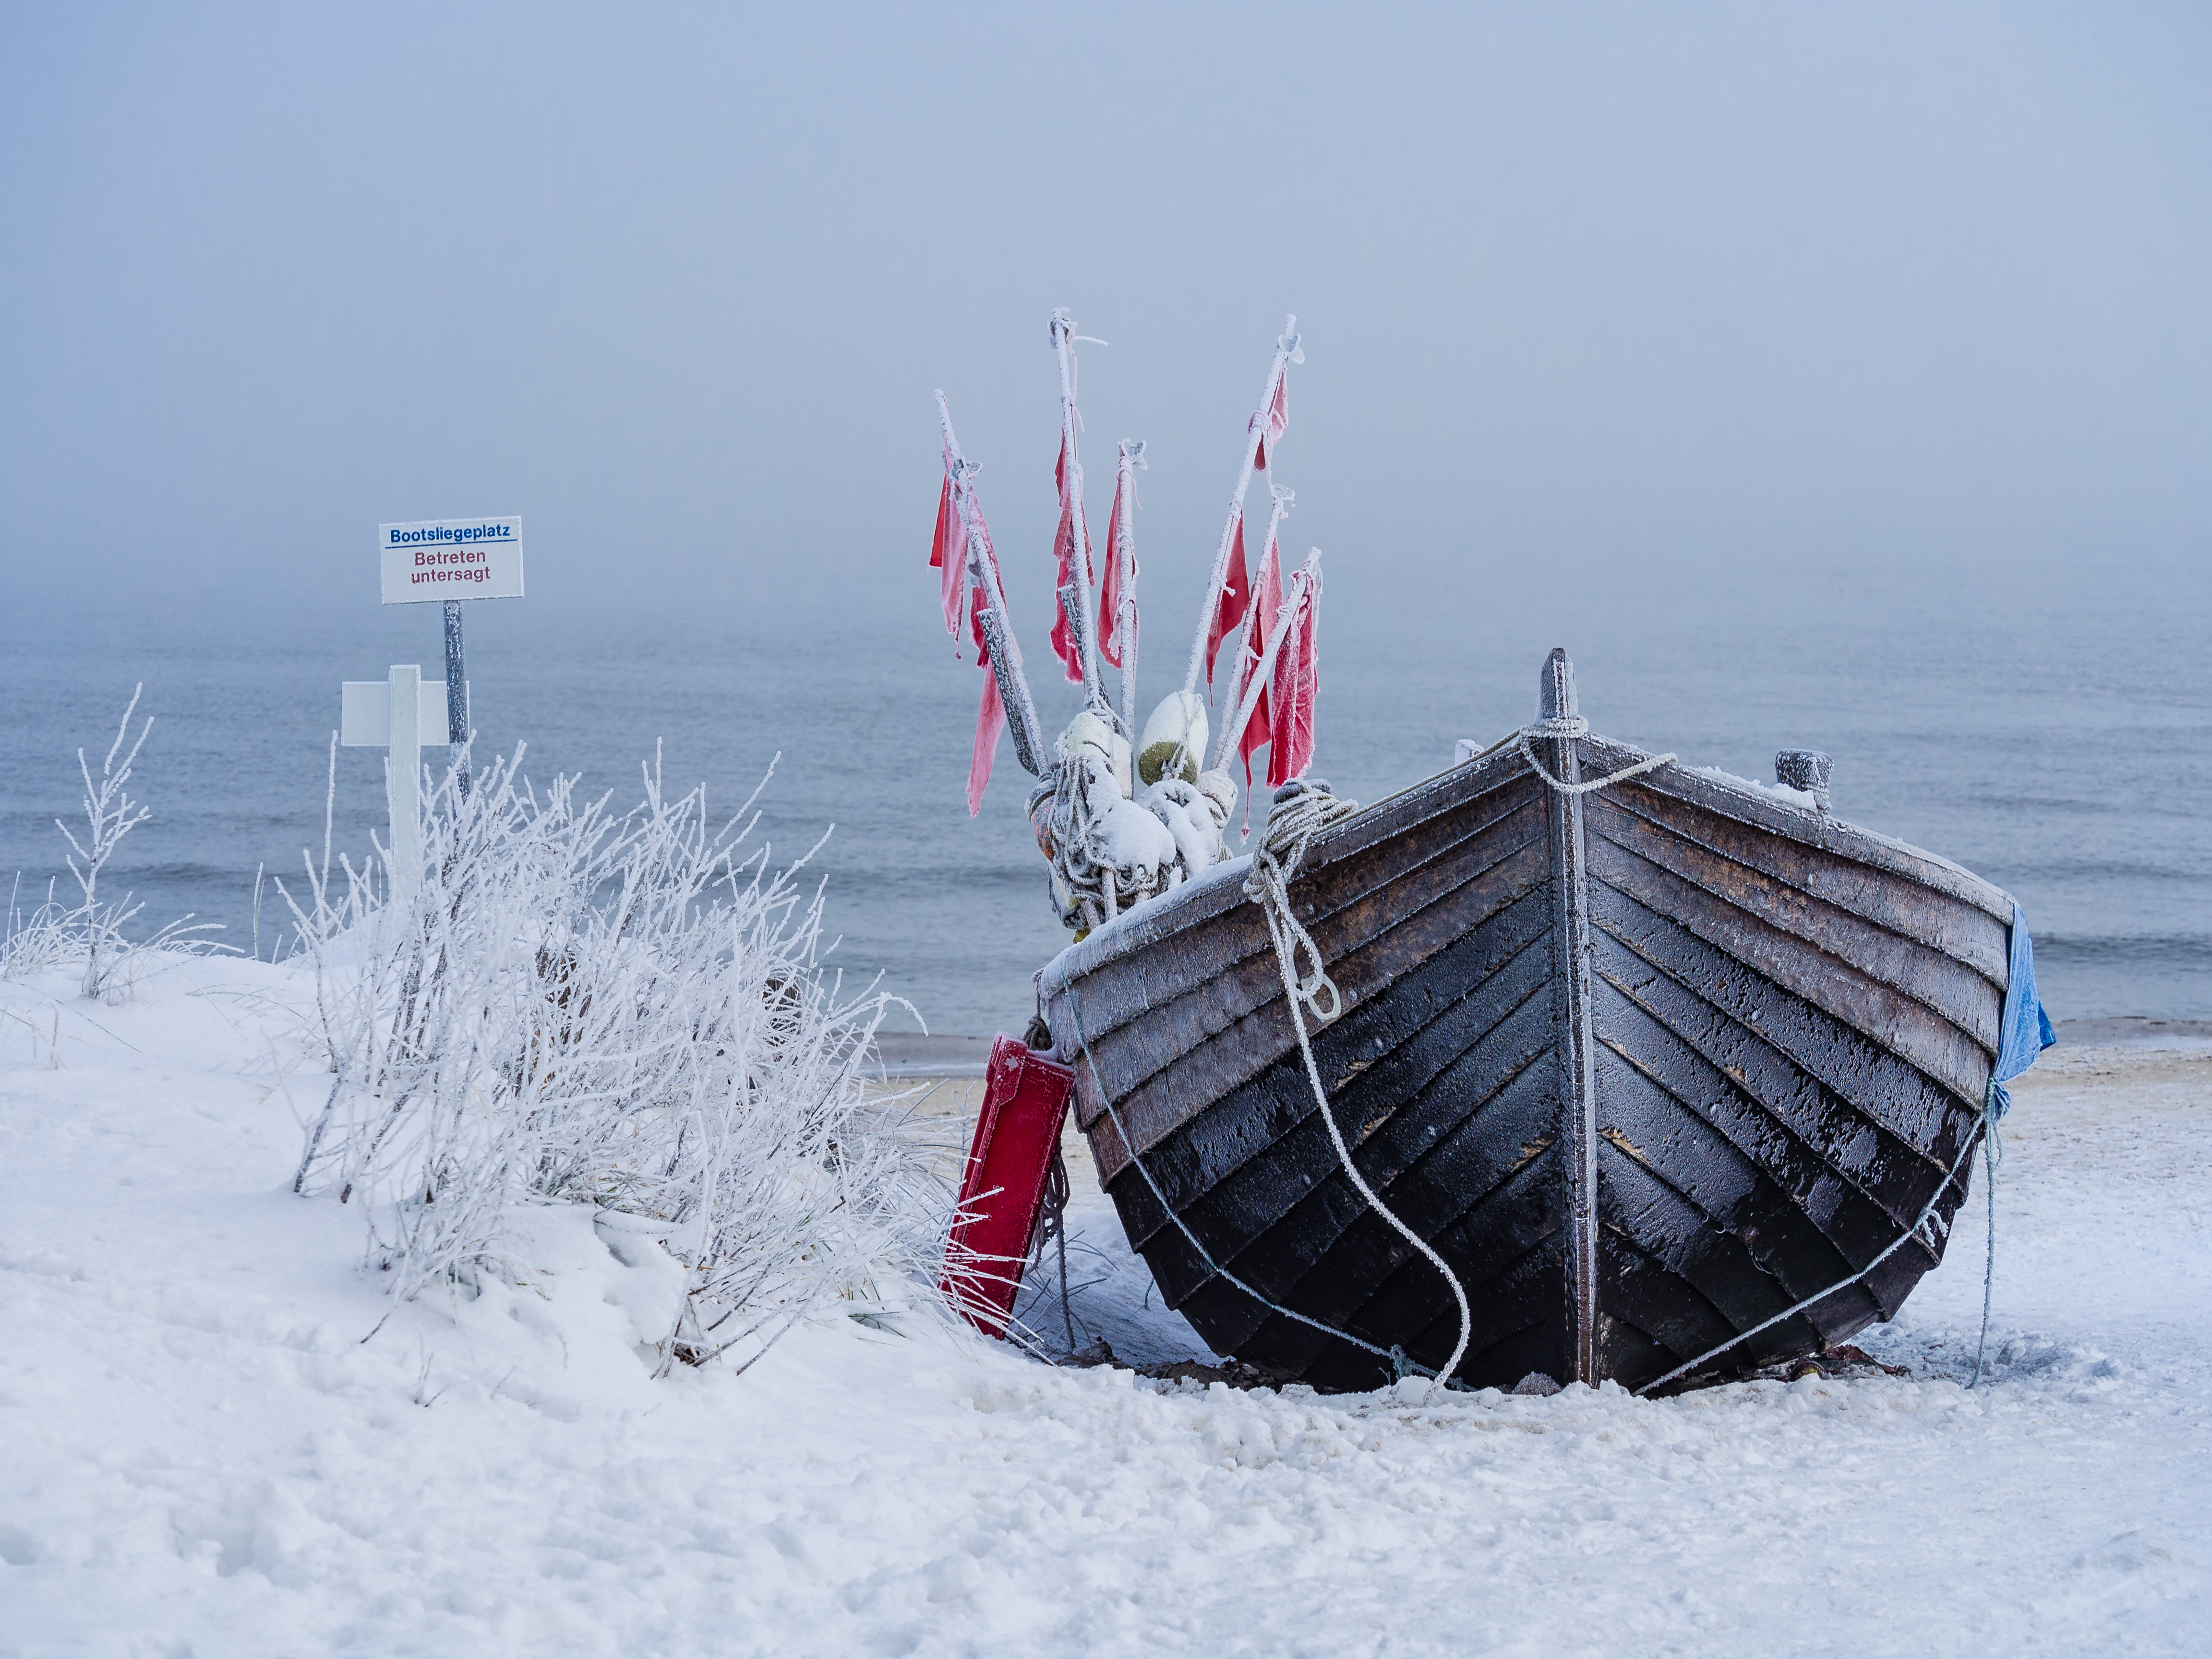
2025, 1030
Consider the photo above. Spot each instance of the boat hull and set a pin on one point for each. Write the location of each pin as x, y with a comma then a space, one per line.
1646, 1065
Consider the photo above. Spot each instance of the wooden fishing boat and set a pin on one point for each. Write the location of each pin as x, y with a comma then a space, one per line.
1647, 1065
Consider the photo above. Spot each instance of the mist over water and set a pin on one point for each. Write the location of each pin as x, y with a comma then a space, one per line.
1817, 378
2047, 726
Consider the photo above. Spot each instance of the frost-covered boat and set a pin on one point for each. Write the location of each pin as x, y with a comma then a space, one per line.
1646, 1065
1569, 1060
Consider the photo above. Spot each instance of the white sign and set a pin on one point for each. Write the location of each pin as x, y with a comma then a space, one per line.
365, 713
451, 559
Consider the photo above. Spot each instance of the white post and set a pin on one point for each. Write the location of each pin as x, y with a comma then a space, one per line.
1063, 330
1286, 353
405, 714
406, 771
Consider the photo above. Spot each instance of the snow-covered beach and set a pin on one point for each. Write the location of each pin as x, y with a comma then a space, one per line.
208, 1453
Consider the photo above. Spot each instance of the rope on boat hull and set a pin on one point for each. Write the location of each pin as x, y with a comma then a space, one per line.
1292, 825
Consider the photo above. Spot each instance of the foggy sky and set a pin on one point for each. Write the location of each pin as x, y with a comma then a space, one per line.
1581, 288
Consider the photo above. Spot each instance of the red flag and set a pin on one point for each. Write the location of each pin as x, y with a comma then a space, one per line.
948, 551
1258, 626
944, 525
1110, 591
1229, 603
1279, 420
965, 601
990, 721
1064, 644
1293, 687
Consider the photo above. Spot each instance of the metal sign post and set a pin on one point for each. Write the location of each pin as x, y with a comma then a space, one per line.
457, 694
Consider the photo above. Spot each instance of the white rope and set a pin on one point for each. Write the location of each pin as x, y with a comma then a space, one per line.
1401, 1366
1992, 1155
1574, 725
1291, 829
1931, 1243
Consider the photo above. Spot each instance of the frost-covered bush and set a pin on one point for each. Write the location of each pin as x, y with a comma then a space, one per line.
565, 1005
92, 932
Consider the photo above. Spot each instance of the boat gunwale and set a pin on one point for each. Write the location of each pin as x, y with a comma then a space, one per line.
1221, 888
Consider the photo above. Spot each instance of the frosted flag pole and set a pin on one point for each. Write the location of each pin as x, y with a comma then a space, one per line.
1072, 542
1297, 595
983, 573
1255, 439
1117, 595
1280, 504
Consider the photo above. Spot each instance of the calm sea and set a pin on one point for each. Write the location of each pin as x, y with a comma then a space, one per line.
2052, 733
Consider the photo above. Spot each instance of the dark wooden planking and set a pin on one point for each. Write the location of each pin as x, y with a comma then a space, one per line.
1260, 1152
1429, 1186
1730, 1193
1669, 1228
1432, 958
1854, 1227
1387, 821
1857, 1148
1895, 1021
1179, 1027
1494, 1228
1516, 1323
1746, 802
1521, 1247
1901, 903
1627, 1354
1150, 970
1640, 1291
1227, 1218
1948, 988
1899, 1097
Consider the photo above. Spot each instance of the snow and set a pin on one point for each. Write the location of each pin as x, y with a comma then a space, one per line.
1803, 799
205, 1456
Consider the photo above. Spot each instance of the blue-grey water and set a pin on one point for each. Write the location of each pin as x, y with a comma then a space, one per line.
2050, 729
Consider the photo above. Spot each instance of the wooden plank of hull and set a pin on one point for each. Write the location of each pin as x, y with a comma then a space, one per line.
1764, 1042
1520, 1244
1156, 995
1857, 1149
1883, 1086
1897, 1022
1236, 1026
1803, 1201
1260, 1149
1486, 1116
1471, 921
1404, 823
1951, 990
1748, 805
1957, 930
